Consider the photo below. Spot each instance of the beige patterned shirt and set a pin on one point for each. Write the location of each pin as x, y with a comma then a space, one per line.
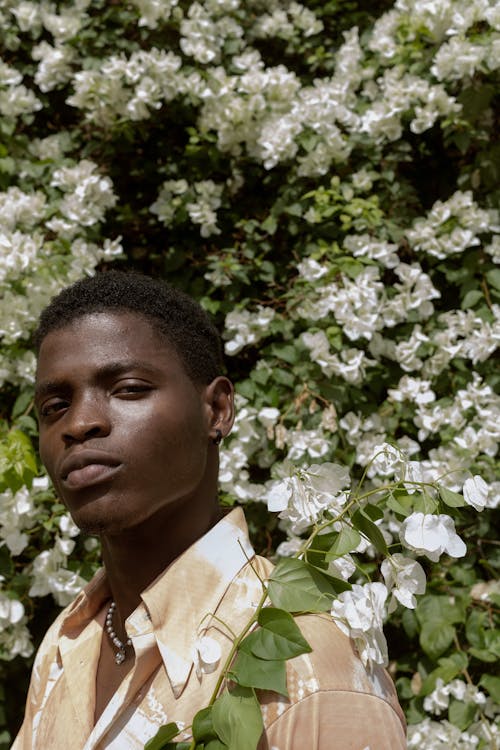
334, 703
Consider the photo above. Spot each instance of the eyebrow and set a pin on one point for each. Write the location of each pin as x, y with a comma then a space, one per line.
113, 369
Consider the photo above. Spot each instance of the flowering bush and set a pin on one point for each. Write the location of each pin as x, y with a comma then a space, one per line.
325, 180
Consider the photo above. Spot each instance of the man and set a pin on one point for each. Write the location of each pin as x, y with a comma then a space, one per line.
132, 406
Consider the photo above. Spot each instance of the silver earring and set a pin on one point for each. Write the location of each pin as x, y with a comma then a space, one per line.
218, 437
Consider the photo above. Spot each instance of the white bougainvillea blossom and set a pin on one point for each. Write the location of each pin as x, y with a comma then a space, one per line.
303, 497
404, 578
431, 535
476, 492
359, 613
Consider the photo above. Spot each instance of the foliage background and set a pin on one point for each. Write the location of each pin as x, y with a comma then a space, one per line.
324, 178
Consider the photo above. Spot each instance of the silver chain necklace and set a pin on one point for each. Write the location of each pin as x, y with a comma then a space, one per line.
121, 654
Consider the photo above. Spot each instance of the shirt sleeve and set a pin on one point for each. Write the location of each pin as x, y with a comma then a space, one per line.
40, 677
334, 720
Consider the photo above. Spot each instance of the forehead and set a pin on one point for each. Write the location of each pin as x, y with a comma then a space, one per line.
98, 338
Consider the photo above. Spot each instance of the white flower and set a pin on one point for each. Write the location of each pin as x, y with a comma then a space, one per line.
244, 327
342, 567
206, 654
431, 535
359, 614
303, 497
404, 577
68, 526
11, 611
268, 416
388, 460
476, 492
310, 270
302, 442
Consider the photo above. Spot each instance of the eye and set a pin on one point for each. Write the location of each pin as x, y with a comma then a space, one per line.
52, 407
131, 388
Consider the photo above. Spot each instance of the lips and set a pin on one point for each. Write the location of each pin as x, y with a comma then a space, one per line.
87, 468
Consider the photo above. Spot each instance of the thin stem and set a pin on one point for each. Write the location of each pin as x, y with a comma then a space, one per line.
235, 647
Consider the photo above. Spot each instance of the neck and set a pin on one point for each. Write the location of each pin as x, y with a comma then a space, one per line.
134, 558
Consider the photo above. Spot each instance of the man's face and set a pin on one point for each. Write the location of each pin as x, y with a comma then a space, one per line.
124, 432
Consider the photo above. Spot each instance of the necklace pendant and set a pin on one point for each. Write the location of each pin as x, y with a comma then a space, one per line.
120, 657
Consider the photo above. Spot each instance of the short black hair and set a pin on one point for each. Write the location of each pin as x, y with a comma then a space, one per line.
172, 314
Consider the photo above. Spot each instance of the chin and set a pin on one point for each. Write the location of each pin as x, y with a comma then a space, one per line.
96, 522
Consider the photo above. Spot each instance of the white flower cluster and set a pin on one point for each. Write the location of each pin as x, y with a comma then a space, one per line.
15, 98
87, 194
43, 243
128, 88
154, 12
244, 327
55, 65
348, 364
203, 36
49, 574
303, 495
439, 700
318, 494
360, 613
33, 17
448, 23
14, 635
443, 735
17, 512
452, 226
200, 200
284, 22
364, 306
394, 95
247, 438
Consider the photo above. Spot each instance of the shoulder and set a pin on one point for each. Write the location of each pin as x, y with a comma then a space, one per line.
334, 701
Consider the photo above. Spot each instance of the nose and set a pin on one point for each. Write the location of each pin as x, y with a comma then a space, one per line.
86, 418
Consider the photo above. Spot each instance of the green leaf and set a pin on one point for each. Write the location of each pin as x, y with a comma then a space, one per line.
298, 587
493, 278
440, 609
264, 674
279, 636
436, 637
215, 745
409, 622
237, 718
162, 737
461, 714
483, 654
395, 504
203, 728
364, 524
346, 541
474, 628
471, 298
270, 224
373, 512
449, 667
22, 402
315, 554
452, 499
286, 352
492, 685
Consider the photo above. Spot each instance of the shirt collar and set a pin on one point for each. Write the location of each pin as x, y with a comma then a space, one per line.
178, 601
193, 586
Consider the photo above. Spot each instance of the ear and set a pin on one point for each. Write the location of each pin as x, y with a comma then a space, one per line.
219, 397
